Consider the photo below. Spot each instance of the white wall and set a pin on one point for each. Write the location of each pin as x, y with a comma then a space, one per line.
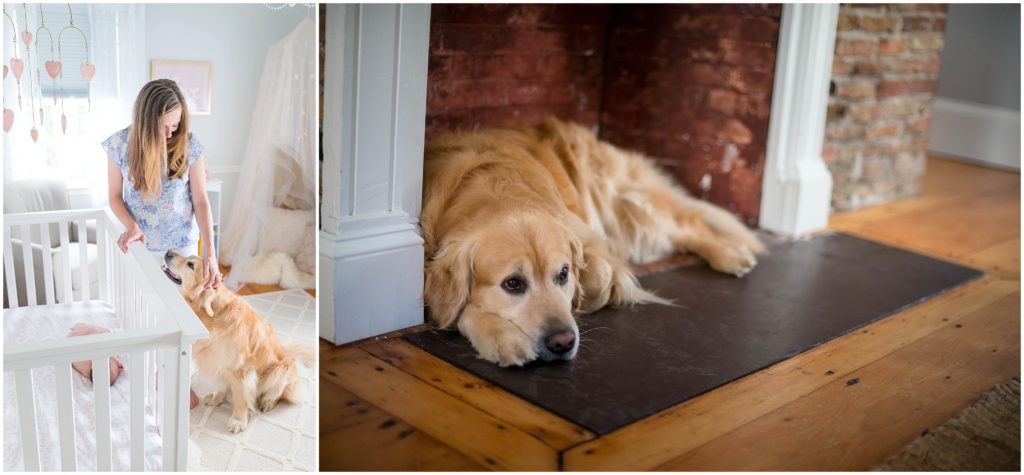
977, 108
235, 38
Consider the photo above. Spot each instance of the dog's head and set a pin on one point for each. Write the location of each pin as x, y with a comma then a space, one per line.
510, 285
189, 274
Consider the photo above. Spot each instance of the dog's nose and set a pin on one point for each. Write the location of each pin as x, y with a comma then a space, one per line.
560, 341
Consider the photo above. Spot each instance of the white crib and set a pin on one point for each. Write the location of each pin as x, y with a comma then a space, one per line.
157, 330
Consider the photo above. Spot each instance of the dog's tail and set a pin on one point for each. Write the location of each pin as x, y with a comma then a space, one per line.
302, 352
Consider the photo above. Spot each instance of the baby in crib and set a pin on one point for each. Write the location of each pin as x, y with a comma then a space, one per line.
84, 368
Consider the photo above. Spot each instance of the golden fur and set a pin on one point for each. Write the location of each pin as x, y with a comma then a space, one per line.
521, 202
243, 351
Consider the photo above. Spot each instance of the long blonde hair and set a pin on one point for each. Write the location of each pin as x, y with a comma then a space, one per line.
151, 156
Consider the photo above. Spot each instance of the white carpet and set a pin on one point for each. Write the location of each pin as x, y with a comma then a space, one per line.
283, 439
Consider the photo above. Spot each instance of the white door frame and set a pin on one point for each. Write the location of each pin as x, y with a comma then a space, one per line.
796, 190
371, 252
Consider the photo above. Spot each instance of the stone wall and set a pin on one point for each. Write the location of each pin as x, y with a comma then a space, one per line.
884, 79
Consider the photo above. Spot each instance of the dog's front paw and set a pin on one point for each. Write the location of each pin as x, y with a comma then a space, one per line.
236, 425
213, 399
508, 353
737, 261
266, 404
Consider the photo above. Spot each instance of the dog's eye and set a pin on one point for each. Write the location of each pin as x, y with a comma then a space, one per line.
563, 275
191, 265
514, 285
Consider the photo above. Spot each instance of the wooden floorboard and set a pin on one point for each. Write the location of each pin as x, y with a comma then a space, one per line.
802, 413
854, 422
356, 435
485, 439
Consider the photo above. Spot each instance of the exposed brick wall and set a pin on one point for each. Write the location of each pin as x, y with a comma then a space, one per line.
493, 63
884, 79
691, 85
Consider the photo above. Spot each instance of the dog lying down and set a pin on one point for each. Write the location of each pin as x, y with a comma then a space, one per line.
243, 352
526, 226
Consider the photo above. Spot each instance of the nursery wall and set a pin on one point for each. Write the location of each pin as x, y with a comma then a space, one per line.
237, 48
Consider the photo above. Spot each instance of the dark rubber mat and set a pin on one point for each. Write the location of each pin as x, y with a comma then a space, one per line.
639, 360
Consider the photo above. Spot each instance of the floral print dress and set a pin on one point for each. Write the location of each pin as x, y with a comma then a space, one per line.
169, 221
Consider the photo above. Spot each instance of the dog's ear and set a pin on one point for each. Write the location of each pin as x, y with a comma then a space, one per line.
449, 280
205, 300
579, 264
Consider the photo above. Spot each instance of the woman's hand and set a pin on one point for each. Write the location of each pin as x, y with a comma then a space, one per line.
133, 234
213, 275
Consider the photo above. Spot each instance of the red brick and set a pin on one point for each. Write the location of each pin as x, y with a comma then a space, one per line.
755, 57
923, 85
848, 21
939, 25
840, 132
835, 112
854, 47
841, 67
916, 64
857, 89
720, 100
929, 42
736, 132
753, 83
920, 7
917, 22
892, 45
893, 87
920, 125
868, 68
879, 23
883, 130
864, 112
829, 153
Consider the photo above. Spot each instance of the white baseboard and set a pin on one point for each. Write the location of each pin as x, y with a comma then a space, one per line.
364, 290
977, 132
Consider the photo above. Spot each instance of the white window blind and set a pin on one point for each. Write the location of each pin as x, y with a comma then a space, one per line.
72, 51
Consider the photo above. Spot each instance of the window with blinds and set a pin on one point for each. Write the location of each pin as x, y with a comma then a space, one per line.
71, 53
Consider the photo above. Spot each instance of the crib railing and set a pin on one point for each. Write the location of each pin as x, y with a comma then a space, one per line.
158, 330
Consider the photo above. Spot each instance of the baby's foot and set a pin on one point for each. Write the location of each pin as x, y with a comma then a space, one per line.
193, 400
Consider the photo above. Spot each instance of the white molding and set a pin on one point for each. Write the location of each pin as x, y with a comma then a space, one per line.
977, 132
371, 253
797, 185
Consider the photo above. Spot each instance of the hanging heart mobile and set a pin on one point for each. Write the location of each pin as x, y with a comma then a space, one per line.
88, 69
52, 67
17, 68
26, 37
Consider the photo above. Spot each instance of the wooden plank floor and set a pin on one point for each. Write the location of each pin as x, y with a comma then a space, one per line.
848, 404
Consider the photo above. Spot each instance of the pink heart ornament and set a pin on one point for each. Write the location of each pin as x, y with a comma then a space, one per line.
88, 71
17, 67
26, 37
8, 119
53, 68
35, 135
64, 123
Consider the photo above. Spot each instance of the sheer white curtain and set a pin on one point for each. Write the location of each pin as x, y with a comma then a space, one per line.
277, 183
116, 48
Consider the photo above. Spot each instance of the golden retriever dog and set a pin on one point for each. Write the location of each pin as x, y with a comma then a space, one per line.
526, 226
243, 351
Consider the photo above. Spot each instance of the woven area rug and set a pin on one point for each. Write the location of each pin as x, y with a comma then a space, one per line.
985, 436
283, 439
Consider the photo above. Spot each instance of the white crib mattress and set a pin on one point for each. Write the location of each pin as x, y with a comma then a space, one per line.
47, 322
